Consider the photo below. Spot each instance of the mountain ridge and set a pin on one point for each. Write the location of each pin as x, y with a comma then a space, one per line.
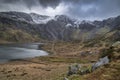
60, 27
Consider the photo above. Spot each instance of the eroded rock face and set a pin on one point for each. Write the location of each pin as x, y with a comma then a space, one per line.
100, 63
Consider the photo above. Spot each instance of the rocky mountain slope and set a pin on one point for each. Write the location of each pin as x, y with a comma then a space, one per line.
18, 26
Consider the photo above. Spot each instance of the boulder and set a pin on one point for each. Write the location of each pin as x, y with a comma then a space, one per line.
74, 69
77, 69
101, 62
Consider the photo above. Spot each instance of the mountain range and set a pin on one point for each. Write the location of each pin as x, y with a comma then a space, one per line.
27, 27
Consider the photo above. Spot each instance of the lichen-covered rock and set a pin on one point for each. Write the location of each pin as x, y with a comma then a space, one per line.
85, 70
74, 69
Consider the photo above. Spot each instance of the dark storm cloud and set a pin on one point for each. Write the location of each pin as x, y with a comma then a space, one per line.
83, 9
8, 1
44, 3
27, 3
52, 3
91, 9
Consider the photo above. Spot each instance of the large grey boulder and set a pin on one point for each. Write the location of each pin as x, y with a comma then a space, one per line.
77, 69
101, 62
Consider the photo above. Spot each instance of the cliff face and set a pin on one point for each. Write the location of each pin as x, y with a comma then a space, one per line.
60, 27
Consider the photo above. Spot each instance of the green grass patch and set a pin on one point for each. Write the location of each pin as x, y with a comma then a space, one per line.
76, 77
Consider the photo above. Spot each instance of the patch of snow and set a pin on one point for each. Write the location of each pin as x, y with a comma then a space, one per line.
40, 19
77, 23
68, 25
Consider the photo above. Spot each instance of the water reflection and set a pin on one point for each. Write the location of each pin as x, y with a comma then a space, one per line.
19, 51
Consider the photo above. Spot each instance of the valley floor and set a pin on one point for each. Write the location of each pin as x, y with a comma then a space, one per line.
55, 66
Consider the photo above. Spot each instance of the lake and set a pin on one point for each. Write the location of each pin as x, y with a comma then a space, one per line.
20, 51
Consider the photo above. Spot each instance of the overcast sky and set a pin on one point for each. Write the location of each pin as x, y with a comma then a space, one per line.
82, 9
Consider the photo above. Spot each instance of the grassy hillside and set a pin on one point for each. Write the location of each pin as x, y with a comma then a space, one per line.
8, 34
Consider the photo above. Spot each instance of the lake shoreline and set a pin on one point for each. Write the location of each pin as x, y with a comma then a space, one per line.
45, 67
18, 51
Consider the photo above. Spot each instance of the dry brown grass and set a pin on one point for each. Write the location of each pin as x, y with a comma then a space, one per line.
31, 71
55, 66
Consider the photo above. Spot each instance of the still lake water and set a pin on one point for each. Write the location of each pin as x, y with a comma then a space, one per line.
19, 51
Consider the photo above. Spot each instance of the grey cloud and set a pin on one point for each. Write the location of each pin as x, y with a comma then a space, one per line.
83, 9
9, 1
52, 3
29, 3
86, 9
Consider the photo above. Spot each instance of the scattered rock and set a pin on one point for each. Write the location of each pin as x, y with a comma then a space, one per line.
77, 69
74, 69
101, 62
85, 70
